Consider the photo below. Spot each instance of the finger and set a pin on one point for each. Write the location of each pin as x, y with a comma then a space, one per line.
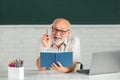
55, 66
60, 65
46, 37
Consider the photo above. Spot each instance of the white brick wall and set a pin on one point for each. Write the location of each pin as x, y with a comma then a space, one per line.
21, 41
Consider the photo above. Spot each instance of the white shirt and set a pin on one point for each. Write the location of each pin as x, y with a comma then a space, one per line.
72, 43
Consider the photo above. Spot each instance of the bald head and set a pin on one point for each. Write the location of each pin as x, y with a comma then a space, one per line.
61, 23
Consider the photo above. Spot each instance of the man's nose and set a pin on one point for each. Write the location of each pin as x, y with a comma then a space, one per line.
58, 33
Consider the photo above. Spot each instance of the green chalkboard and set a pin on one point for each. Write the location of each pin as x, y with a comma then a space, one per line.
45, 11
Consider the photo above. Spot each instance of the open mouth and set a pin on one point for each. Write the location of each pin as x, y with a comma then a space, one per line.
57, 38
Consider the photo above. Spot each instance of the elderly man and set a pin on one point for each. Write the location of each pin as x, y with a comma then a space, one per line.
61, 40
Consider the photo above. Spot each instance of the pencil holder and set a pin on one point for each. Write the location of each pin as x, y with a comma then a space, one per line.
16, 72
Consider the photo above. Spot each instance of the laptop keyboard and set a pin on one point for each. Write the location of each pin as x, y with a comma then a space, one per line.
85, 71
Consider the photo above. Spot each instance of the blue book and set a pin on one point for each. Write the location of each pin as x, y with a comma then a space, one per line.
47, 58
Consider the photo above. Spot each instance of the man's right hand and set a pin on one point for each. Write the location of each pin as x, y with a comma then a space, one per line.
46, 40
39, 66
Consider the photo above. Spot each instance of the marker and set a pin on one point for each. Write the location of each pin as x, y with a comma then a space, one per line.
16, 63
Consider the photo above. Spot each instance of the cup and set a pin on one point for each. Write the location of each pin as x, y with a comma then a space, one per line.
79, 66
16, 73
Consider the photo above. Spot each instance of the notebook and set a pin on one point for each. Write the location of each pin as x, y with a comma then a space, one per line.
103, 62
47, 58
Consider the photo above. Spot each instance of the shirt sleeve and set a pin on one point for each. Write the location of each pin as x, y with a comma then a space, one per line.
42, 48
76, 50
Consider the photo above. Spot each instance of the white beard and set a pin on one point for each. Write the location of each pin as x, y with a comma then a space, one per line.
57, 42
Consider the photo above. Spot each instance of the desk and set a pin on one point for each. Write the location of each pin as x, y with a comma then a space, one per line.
53, 75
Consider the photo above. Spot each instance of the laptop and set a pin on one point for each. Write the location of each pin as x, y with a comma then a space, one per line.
103, 62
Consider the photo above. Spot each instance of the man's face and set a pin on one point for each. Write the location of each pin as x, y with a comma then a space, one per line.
60, 31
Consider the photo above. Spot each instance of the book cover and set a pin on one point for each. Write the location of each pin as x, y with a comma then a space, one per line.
47, 58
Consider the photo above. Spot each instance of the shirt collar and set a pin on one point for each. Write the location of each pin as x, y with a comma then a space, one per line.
64, 43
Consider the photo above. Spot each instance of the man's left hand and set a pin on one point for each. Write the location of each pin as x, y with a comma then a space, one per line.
60, 68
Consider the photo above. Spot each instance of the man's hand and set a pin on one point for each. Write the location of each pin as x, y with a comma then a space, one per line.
46, 40
60, 67
38, 65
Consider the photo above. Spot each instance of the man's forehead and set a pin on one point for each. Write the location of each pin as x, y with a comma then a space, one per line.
61, 25
60, 28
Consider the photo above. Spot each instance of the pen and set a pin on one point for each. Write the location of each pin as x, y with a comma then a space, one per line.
47, 31
47, 34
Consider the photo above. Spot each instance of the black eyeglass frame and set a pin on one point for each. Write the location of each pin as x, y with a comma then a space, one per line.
61, 31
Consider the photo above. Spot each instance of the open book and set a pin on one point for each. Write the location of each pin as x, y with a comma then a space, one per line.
47, 58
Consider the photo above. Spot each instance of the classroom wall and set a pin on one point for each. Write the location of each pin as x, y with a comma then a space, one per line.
21, 41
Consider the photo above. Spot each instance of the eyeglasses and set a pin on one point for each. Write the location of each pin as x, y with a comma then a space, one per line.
60, 31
